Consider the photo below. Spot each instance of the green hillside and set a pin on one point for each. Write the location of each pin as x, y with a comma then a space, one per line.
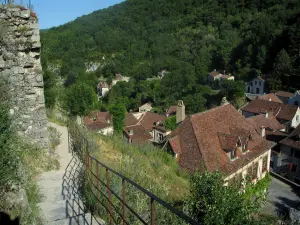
139, 38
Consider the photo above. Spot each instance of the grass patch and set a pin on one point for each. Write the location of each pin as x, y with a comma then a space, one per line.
55, 117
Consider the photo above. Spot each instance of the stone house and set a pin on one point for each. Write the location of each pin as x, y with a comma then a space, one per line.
256, 86
295, 99
288, 161
147, 107
100, 122
216, 75
284, 96
288, 115
221, 139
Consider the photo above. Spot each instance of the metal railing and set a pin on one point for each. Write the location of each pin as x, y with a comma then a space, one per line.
116, 198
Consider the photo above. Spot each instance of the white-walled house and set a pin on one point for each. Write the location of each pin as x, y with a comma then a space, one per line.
295, 99
145, 107
288, 115
216, 75
256, 86
99, 122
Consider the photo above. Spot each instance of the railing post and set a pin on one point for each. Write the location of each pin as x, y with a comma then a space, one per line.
124, 201
98, 184
109, 196
152, 212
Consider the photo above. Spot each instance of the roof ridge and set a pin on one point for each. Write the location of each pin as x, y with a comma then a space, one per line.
198, 145
210, 110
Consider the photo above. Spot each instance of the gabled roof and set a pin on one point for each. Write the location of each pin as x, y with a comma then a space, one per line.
260, 120
142, 126
171, 109
214, 73
279, 110
202, 140
98, 116
293, 139
284, 94
269, 97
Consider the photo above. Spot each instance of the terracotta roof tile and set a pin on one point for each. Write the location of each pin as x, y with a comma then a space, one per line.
270, 97
200, 141
175, 144
101, 118
260, 120
139, 136
214, 73
280, 111
284, 94
172, 109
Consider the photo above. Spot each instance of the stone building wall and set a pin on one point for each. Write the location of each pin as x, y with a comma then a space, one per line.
20, 65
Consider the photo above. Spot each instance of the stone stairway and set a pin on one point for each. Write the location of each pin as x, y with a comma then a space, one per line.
61, 204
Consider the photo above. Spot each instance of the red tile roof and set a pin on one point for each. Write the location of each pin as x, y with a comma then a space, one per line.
260, 120
142, 126
102, 120
171, 110
199, 137
269, 97
139, 136
284, 94
214, 73
280, 111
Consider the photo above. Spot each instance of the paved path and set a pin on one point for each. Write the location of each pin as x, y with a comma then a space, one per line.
280, 198
61, 204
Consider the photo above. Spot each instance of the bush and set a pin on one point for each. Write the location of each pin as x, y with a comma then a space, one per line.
54, 137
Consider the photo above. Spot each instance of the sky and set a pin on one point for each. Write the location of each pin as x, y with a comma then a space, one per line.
57, 12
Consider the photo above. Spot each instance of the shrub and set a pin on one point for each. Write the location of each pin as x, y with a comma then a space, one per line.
54, 137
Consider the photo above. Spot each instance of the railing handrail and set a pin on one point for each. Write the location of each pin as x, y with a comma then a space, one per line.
152, 196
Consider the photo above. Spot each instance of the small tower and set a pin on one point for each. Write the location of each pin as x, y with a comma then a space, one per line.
180, 112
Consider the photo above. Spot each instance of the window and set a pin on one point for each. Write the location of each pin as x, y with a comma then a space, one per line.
296, 103
233, 154
296, 153
293, 167
257, 90
259, 83
254, 170
272, 164
265, 163
297, 118
255, 82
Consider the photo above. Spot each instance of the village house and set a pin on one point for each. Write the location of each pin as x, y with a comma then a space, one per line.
102, 88
171, 111
216, 75
220, 139
147, 107
100, 122
288, 115
295, 99
269, 97
284, 96
256, 86
287, 163
145, 127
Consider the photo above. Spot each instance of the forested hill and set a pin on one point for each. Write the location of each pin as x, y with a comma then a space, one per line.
188, 37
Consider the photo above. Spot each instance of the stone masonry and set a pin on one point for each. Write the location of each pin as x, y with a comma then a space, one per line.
20, 65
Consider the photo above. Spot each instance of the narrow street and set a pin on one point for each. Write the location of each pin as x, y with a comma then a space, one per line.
280, 198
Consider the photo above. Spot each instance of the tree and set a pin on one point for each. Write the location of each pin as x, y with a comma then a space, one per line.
170, 123
195, 103
118, 112
210, 202
232, 89
79, 99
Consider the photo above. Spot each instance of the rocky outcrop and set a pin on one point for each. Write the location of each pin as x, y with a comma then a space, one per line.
20, 65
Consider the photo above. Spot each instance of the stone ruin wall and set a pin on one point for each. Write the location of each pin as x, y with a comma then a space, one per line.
20, 65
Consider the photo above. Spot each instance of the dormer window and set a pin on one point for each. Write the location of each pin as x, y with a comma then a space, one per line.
233, 154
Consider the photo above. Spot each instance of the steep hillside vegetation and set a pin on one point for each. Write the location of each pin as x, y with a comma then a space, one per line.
187, 37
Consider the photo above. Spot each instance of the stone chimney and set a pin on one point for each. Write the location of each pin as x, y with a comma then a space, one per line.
224, 101
180, 112
267, 115
262, 131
